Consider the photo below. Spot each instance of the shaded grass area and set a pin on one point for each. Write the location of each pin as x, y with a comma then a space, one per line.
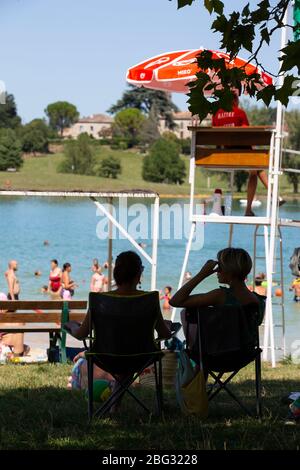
38, 412
40, 173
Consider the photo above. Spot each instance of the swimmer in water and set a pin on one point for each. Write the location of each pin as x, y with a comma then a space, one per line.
259, 288
295, 286
187, 276
166, 297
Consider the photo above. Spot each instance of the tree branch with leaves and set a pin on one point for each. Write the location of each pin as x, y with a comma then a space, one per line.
239, 30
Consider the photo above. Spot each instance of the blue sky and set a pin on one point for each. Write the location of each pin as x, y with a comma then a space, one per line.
79, 50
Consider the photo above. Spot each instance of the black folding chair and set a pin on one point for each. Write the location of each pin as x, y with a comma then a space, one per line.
122, 343
228, 338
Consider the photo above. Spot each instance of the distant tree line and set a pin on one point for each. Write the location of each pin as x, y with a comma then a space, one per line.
136, 125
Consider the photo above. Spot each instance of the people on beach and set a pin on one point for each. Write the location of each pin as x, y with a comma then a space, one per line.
127, 275
14, 340
166, 297
98, 278
55, 284
68, 285
232, 267
12, 280
238, 118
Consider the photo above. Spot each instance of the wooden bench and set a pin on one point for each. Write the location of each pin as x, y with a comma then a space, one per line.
42, 316
232, 147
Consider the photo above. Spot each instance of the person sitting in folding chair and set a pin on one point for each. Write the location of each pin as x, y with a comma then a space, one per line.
120, 325
232, 267
222, 325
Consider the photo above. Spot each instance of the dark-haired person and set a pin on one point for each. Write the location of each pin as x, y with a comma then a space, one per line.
68, 285
238, 118
232, 267
166, 297
54, 287
127, 275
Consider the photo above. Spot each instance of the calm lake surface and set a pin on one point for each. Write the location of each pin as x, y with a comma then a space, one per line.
70, 226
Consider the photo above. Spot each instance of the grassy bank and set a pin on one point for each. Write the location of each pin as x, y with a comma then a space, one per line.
37, 412
40, 173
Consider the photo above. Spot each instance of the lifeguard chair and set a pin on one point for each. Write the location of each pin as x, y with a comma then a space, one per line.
232, 147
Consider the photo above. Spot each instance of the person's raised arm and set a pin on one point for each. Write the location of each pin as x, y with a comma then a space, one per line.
182, 297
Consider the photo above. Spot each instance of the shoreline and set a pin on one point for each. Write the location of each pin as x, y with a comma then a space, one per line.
287, 197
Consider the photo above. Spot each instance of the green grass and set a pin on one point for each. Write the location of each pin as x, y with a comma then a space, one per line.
38, 412
40, 173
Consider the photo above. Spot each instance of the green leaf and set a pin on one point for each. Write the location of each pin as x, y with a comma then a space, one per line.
262, 13
265, 35
183, 3
246, 10
266, 94
208, 5
214, 5
288, 88
291, 56
218, 6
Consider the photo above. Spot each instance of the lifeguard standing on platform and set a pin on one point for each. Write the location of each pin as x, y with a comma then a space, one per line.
238, 118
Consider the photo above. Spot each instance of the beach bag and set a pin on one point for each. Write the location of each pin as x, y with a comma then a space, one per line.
191, 388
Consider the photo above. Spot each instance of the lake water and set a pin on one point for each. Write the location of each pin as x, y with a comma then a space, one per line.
70, 226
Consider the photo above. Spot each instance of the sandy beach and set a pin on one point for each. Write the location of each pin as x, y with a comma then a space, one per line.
39, 342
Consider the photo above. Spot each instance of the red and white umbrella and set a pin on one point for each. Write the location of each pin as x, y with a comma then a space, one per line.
173, 71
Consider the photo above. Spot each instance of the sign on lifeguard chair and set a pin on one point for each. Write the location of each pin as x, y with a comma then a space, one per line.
232, 147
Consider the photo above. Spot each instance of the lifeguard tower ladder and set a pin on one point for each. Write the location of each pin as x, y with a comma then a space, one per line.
237, 148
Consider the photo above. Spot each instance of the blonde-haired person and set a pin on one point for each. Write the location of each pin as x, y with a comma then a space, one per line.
98, 279
232, 267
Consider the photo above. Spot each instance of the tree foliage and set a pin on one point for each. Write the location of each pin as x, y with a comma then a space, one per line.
260, 115
8, 113
163, 163
35, 136
61, 115
250, 29
79, 156
145, 99
149, 132
110, 167
293, 143
10, 150
128, 124
240, 178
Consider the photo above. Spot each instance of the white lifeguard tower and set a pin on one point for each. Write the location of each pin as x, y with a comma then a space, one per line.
210, 149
